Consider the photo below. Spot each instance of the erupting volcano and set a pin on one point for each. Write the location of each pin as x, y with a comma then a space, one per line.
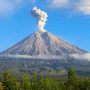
44, 49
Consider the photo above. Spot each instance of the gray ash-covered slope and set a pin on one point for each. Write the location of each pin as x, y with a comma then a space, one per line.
43, 43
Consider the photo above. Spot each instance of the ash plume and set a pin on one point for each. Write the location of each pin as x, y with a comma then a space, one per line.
42, 17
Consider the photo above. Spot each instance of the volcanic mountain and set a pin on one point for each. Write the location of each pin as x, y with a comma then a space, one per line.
44, 52
43, 43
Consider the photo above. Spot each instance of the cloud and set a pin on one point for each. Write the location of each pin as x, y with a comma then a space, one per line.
79, 6
83, 6
59, 3
9, 6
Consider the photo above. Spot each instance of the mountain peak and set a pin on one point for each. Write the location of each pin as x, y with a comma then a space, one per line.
43, 43
42, 30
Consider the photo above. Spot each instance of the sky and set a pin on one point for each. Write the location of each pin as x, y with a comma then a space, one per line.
68, 19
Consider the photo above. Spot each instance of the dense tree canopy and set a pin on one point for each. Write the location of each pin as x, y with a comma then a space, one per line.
72, 82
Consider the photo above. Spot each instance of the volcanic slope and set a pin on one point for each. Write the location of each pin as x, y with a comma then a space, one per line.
43, 43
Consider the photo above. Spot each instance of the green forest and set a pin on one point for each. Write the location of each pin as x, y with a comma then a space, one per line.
33, 82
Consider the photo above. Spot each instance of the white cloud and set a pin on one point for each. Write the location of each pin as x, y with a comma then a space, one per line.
58, 3
9, 6
83, 6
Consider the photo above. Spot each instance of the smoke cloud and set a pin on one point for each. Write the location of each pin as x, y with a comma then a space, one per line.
42, 17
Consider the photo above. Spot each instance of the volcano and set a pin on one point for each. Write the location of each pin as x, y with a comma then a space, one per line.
43, 43
45, 52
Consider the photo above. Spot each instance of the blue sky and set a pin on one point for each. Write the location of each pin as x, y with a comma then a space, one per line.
69, 21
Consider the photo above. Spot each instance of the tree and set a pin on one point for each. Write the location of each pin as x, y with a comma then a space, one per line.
41, 83
71, 74
1, 86
9, 81
72, 82
84, 84
25, 82
17, 87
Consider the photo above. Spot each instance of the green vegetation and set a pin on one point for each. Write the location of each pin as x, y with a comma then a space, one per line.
35, 82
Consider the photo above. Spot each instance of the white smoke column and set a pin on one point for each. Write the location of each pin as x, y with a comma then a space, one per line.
42, 17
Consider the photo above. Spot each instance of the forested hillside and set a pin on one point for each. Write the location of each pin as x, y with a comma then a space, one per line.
34, 82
